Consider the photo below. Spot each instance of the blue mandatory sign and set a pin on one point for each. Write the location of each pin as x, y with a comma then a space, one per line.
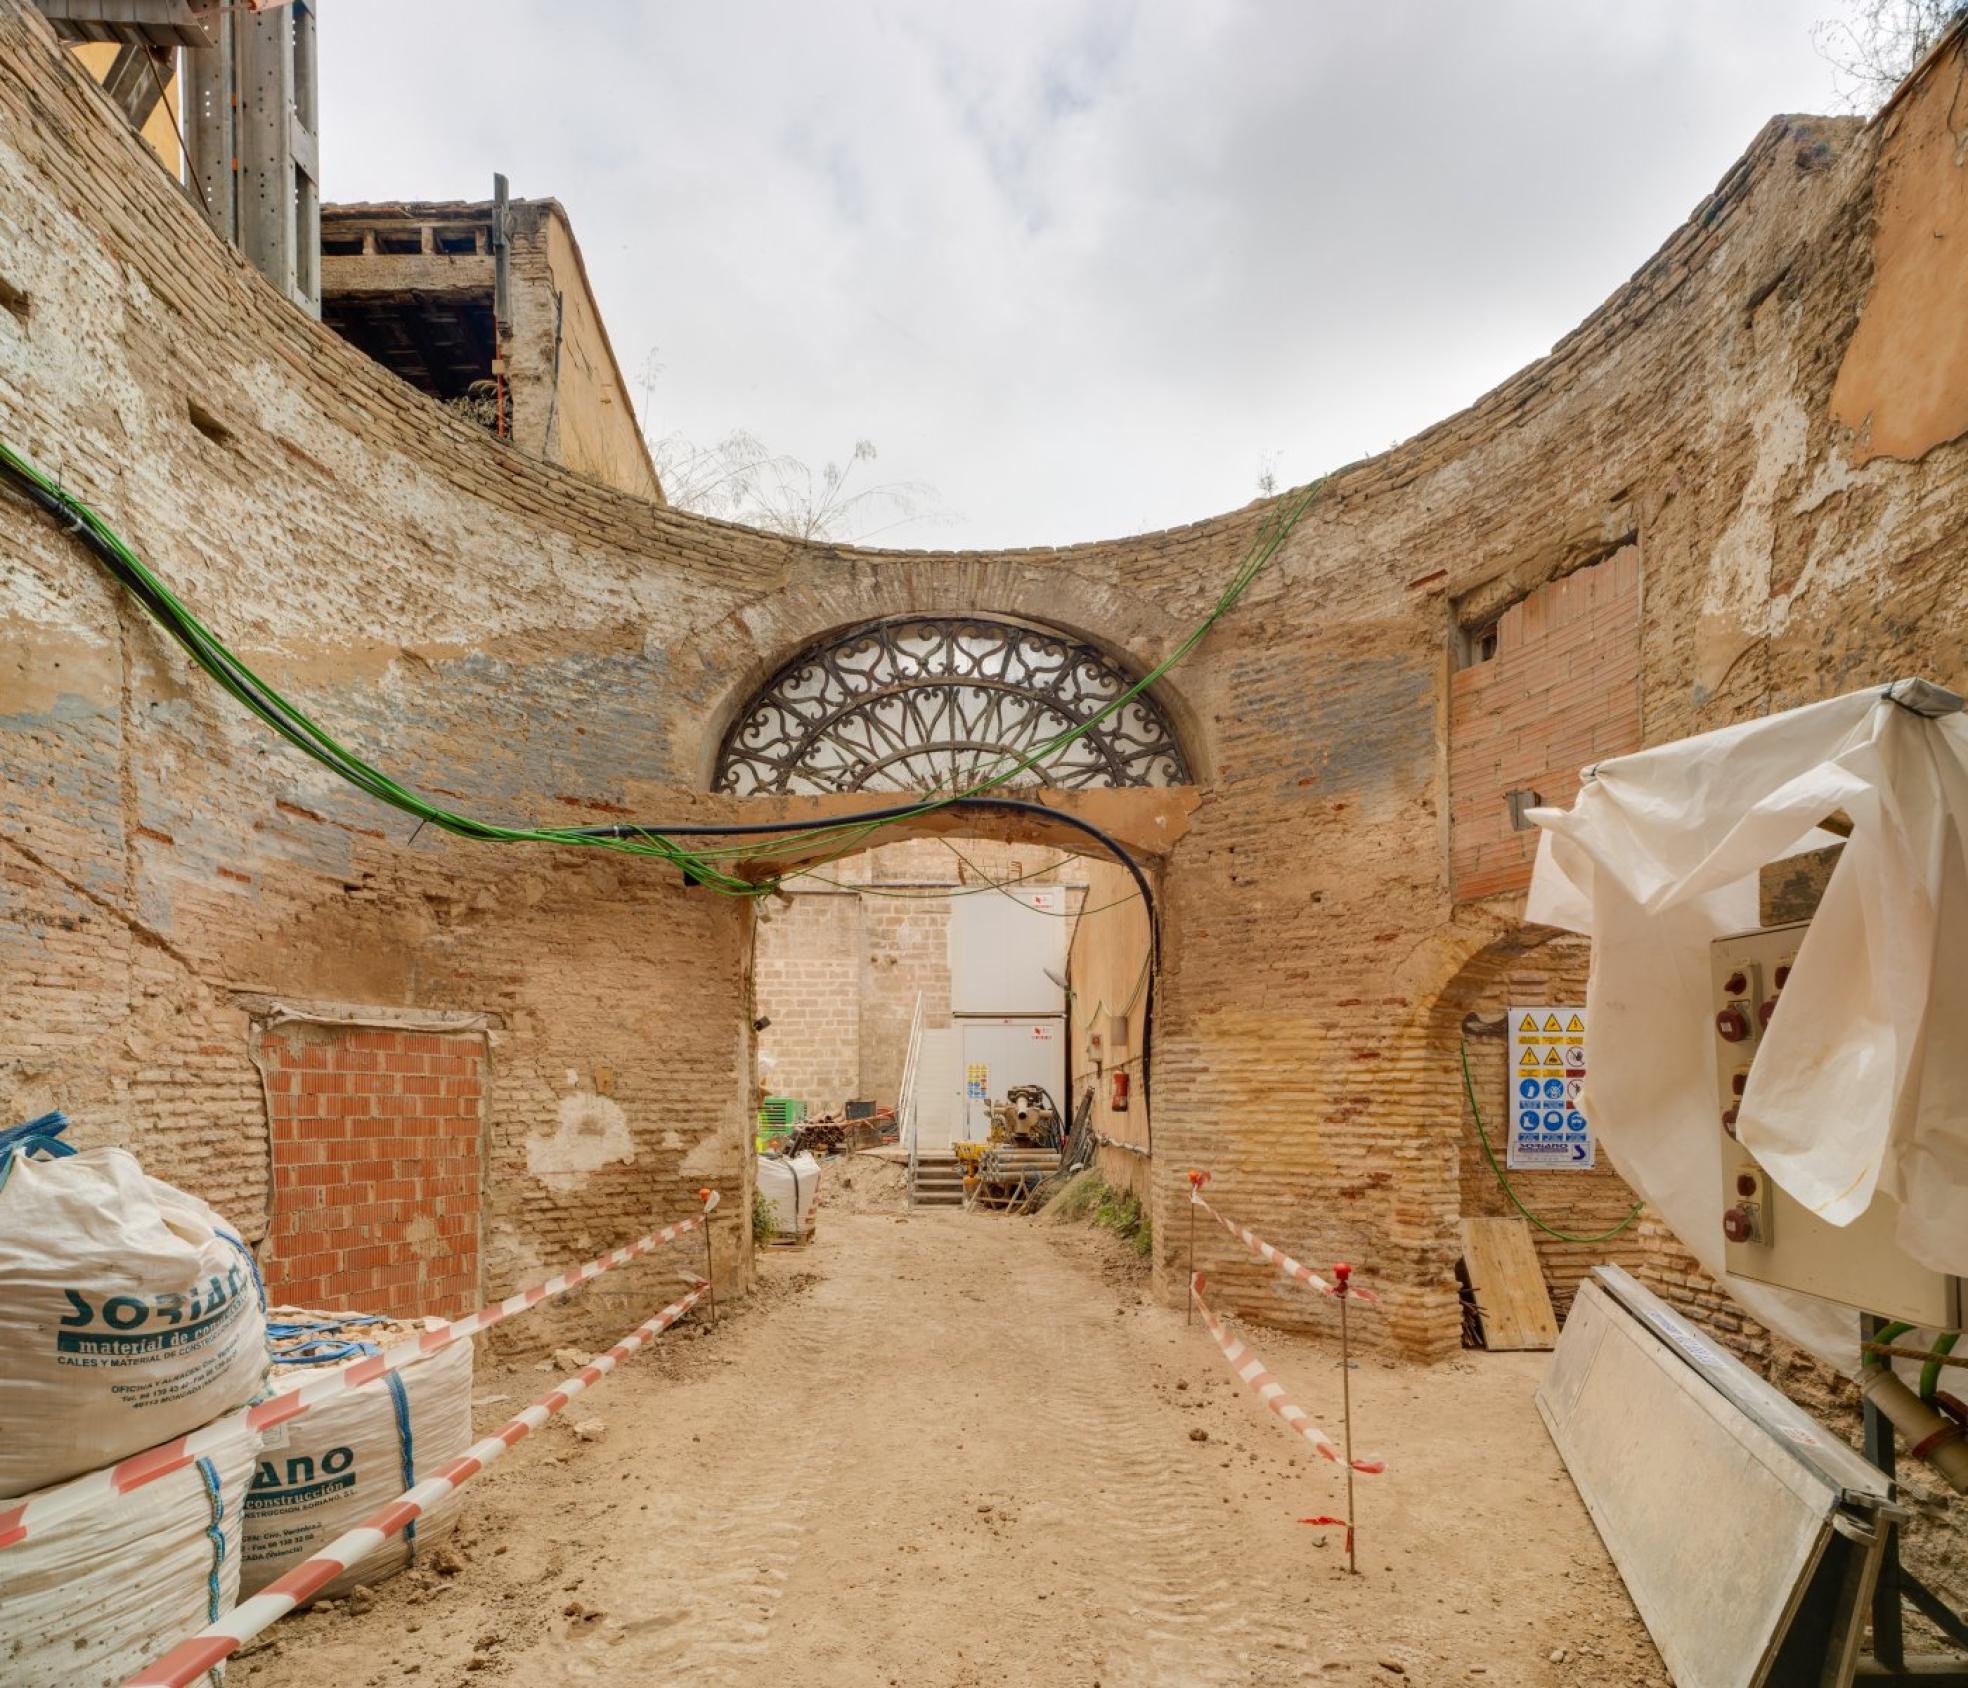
1554, 1089
1528, 1120
1575, 1122
1554, 1121
1528, 1089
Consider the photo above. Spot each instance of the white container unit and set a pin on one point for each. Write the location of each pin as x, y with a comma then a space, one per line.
1007, 1001
1002, 945
1000, 1052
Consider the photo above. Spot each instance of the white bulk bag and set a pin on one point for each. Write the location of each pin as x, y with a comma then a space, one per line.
88, 1599
324, 1472
129, 1311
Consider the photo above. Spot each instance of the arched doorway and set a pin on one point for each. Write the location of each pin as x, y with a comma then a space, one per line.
852, 963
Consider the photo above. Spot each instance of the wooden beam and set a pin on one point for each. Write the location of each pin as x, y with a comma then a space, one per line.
135, 80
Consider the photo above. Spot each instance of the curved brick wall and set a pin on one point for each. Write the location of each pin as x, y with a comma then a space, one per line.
490, 627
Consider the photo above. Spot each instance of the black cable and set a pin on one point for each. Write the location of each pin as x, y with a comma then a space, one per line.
246, 687
1001, 805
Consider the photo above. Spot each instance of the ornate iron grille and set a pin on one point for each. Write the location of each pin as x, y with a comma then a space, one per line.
937, 703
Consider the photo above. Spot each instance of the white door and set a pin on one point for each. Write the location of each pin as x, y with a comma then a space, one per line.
1001, 1052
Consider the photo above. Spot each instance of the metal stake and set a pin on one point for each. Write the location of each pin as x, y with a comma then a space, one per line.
1189, 1311
1196, 1182
1341, 1272
710, 1272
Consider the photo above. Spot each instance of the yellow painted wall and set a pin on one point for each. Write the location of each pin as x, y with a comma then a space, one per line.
1107, 971
162, 130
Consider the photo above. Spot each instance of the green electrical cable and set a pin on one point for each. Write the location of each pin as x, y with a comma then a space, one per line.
1886, 1333
1930, 1373
698, 865
1469, 1089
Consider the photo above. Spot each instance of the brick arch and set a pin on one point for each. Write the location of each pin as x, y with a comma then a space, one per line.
1113, 597
918, 703
1519, 963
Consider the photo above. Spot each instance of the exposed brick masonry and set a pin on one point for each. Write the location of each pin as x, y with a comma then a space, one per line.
377, 1168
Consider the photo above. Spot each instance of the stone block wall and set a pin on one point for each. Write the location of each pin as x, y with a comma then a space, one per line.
838, 971
807, 981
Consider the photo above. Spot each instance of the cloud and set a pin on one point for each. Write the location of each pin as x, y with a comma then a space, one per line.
1080, 264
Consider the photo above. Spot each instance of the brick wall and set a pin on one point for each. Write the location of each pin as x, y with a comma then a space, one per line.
377, 1168
528, 644
1528, 966
1560, 691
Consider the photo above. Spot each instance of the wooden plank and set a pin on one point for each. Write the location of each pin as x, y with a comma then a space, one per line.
1509, 1283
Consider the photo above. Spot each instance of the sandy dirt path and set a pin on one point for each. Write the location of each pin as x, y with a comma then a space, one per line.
958, 1450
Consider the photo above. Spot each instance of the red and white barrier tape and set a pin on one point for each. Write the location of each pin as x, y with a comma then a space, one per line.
37, 1512
1265, 1251
1245, 1363
191, 1658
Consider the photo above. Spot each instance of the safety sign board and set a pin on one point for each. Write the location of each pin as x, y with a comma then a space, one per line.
1547, 1075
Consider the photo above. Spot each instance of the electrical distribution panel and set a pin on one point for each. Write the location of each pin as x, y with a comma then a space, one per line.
1768, 1236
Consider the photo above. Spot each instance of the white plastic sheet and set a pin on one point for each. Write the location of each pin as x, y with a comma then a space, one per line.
1861, 1083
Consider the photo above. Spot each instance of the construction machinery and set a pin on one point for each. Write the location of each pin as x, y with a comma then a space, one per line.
1021, 1153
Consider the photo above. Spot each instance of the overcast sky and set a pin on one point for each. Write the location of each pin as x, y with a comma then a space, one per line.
1083, 266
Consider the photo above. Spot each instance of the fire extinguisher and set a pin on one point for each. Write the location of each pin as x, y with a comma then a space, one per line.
1118, 1095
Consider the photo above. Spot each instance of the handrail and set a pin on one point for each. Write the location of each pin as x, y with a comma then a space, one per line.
905, 1100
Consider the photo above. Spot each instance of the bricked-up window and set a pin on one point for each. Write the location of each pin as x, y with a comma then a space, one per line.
377, 1168
1561, 691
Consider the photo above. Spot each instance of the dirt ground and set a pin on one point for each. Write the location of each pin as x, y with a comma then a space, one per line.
956, 1449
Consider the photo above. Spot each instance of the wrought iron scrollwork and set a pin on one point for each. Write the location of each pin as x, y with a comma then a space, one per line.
937, 703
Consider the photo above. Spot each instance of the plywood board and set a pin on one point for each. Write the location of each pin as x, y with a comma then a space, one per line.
1714, 1525
1509, 1284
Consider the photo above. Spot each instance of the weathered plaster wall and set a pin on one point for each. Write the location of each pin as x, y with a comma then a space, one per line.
1108, 969
581, 413
1903, 385
532, 644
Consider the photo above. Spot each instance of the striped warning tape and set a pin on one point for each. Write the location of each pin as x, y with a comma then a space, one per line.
1245, 1363
65, 1500
191, 1658
1265, 1251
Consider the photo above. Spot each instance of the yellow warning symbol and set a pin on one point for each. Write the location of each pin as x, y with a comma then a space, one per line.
1576, 1027
1530, 1025
1530, 1058
1553, 1059
1551, 1024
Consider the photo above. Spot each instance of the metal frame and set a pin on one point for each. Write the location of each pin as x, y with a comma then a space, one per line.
1896, 1587
251, 140
936, 704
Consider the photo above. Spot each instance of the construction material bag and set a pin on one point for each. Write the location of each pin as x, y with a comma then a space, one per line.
130, 1312
88, 1599
326, 1471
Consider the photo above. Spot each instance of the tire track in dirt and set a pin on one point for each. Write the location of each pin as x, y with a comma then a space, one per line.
1190, 1621
952, 1451
712, 1556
